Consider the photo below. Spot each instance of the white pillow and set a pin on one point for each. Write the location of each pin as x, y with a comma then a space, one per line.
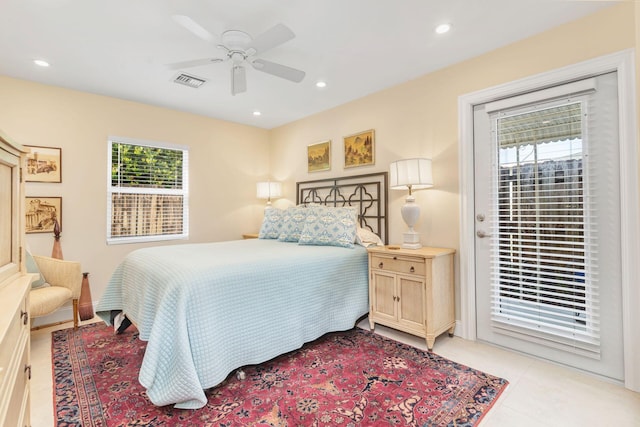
367, 238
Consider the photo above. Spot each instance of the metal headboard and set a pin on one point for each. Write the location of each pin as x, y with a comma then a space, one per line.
367, 193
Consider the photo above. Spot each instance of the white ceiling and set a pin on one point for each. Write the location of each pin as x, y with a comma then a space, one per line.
121, 48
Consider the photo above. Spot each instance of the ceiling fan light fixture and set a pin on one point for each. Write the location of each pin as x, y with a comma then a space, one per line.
240, 48
237, 57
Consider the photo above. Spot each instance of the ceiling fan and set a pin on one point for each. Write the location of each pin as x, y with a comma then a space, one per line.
240, 48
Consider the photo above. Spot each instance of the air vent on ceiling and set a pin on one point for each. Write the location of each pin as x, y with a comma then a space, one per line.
189, 80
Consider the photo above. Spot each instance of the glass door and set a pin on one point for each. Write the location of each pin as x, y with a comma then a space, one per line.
547, 227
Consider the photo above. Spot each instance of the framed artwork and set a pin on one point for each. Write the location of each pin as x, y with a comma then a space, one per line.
319, 156
40, 213
44, 164
359, 149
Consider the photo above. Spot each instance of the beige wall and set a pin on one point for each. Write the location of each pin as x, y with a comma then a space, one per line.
637, 40
420, 118
226, 161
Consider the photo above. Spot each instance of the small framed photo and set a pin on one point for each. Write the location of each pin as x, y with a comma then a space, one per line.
359, 149
40, 213
319, 156
44, 164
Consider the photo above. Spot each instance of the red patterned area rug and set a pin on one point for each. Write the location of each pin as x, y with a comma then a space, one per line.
352, 378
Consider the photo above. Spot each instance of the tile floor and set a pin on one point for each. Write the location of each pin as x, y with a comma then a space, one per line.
540, 394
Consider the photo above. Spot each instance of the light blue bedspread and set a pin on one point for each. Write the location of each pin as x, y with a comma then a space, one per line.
207, 309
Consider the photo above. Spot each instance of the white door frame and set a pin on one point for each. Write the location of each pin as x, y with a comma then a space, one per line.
624, 63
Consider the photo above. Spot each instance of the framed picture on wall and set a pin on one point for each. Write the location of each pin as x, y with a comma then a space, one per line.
319, 156
40, 213
359, 149
44, 164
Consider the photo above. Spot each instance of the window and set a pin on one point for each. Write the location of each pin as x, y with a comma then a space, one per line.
147, 190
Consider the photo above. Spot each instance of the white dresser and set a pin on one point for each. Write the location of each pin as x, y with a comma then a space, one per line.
15, 368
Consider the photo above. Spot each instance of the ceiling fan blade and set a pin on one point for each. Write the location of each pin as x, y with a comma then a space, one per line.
193, 63
271, 38
278, 70
194, 27
238, 79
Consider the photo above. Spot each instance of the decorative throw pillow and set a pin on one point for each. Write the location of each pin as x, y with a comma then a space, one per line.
367, 238
271, 224
32, 268
325, 226
293, 224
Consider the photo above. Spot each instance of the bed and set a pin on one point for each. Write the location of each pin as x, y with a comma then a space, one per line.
208, 309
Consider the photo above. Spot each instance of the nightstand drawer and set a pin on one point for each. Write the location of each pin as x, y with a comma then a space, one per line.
398, 264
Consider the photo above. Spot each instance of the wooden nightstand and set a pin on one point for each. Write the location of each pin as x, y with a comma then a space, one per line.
250, 236
412, 290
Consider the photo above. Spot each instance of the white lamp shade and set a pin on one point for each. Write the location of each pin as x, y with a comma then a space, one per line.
410, 173
269, 190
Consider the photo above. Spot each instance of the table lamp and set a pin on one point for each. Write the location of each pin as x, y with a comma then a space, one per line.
269, 190
411, 174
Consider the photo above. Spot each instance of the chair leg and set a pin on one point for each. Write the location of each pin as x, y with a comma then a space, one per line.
75, 313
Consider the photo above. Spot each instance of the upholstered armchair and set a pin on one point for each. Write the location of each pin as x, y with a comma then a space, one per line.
65, 281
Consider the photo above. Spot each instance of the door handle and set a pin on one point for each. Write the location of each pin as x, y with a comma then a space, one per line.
482, 234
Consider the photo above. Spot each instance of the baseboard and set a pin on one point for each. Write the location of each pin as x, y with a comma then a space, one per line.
62, 315
458, 331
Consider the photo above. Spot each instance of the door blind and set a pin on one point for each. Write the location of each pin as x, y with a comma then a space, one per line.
544, 254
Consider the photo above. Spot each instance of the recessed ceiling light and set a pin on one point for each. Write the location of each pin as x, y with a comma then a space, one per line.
443, 28
321, 84
40, 63
257, 113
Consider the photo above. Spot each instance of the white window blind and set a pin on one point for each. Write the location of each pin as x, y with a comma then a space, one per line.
544, 252
147, 191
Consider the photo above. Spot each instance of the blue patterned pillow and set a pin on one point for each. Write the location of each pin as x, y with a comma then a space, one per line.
271, 224
293, 224
326, 226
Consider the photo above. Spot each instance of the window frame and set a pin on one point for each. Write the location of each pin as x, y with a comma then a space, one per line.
111, 190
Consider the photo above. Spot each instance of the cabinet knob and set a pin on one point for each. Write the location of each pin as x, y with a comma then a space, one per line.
25, 317
27, 369
395, 257
380, 265
412, 270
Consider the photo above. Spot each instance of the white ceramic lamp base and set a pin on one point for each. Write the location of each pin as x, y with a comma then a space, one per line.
411, 240
410, 214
